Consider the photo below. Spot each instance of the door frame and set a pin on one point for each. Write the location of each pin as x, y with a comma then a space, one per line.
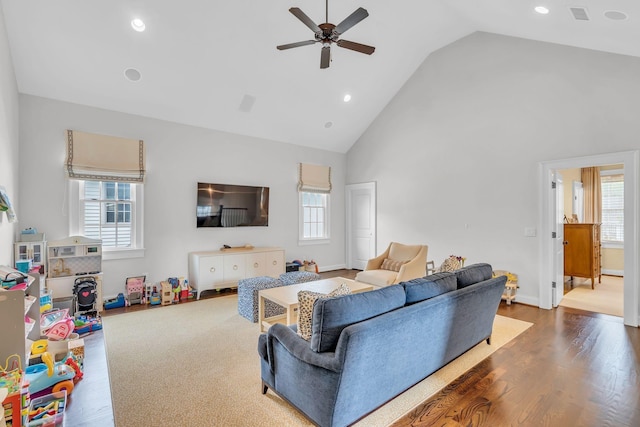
349, 188
630, 161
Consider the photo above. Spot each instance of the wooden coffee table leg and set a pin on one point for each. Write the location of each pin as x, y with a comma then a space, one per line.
261, 312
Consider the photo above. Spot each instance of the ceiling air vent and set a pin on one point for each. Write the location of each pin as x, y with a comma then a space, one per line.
579, 13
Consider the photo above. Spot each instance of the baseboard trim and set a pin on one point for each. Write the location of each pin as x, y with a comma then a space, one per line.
528, 300
619, 273
332, 267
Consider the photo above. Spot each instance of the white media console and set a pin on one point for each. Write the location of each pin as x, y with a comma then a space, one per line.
209, 270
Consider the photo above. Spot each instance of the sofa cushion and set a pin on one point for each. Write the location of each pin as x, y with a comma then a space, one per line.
430, 286
377, 277
473, 274
306, 300
389, 264
331, 316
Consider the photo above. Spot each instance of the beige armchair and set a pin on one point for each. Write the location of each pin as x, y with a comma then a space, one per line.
397, 264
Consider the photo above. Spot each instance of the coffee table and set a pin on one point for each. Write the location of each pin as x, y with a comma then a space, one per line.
287, 297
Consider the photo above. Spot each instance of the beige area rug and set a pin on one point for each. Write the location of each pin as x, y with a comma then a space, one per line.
607, 297
197, 364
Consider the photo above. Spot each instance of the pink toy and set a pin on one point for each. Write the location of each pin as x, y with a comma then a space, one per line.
60, 330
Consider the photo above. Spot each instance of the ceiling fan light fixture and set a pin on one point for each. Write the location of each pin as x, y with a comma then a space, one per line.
138, 25
542, 10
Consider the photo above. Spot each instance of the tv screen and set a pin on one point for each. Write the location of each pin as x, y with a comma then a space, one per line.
226, 205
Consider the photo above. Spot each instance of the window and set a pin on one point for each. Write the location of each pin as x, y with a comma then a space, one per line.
110, 211
612, 185
314, 217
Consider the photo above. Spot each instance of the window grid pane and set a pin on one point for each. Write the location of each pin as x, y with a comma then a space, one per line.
612, 208
314, 216
107, 218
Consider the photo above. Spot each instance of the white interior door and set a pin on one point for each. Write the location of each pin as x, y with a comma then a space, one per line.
558, 241
361, 224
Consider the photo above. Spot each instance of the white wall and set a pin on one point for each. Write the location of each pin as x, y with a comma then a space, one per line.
8, 144
178, 157
455, 154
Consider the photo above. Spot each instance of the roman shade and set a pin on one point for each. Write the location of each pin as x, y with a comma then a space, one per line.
104, 158
314, 178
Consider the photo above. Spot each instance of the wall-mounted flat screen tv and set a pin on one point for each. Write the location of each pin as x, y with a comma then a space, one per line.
227, 205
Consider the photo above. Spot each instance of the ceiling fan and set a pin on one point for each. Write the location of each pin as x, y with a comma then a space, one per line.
328, 33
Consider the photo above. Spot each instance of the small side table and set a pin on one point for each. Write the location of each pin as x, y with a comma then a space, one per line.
511, 287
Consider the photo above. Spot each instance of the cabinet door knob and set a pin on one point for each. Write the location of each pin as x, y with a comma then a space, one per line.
255, 265
235, 267
275, 262
212, 270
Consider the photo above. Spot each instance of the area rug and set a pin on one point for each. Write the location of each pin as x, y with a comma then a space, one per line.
197, 364
607, 297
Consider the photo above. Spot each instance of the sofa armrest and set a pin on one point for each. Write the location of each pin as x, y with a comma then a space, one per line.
415, 268
299, 348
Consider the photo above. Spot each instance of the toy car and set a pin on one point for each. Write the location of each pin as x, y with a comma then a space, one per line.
49, 377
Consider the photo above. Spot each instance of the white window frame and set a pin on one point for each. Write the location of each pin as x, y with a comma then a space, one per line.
612, 243
327, 216
137, 217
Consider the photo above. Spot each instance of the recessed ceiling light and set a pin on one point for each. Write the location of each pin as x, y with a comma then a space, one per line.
541, 10
328, 125
347, 98
616, 15
132, 74
138, 25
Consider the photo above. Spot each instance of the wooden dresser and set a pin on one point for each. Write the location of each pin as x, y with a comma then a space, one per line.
582, 256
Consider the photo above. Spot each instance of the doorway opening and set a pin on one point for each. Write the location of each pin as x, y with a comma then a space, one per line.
549, 218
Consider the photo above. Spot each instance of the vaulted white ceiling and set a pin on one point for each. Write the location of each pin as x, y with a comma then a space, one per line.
214, 64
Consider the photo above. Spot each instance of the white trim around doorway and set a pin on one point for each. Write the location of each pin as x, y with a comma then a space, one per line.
631, 162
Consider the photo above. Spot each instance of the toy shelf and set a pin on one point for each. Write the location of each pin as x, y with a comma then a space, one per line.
15, 307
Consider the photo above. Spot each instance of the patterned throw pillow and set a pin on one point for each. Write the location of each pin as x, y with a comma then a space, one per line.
451, 264
391, 265
306, 299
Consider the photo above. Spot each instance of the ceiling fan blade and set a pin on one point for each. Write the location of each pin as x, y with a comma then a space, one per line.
296, 44
351, 20
325, 57
362, 48
305, 19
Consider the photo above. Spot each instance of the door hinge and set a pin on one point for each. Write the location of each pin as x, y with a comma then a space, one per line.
553, 185
553, 285
553, 235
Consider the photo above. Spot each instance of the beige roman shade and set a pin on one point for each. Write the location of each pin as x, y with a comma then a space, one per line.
314, 178
104, 158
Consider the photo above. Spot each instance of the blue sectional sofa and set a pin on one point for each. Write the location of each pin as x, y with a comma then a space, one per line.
367, 348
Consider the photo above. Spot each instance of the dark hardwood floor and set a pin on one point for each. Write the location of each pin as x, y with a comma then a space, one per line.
571, 368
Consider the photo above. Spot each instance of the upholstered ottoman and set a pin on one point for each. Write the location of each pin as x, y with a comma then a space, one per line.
248, 297
295, 277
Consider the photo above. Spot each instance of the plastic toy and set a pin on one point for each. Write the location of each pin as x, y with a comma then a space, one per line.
60, 330
135, 288
49, 376
115, 302
86, 324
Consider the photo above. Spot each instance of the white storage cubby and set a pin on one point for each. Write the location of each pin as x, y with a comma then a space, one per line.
210, 270
33, 247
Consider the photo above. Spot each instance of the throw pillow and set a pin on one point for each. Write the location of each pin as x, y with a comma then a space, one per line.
306, 299
391, 265
450, 264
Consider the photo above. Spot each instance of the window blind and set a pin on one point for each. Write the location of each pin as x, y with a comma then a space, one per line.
314, 178
104, 158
